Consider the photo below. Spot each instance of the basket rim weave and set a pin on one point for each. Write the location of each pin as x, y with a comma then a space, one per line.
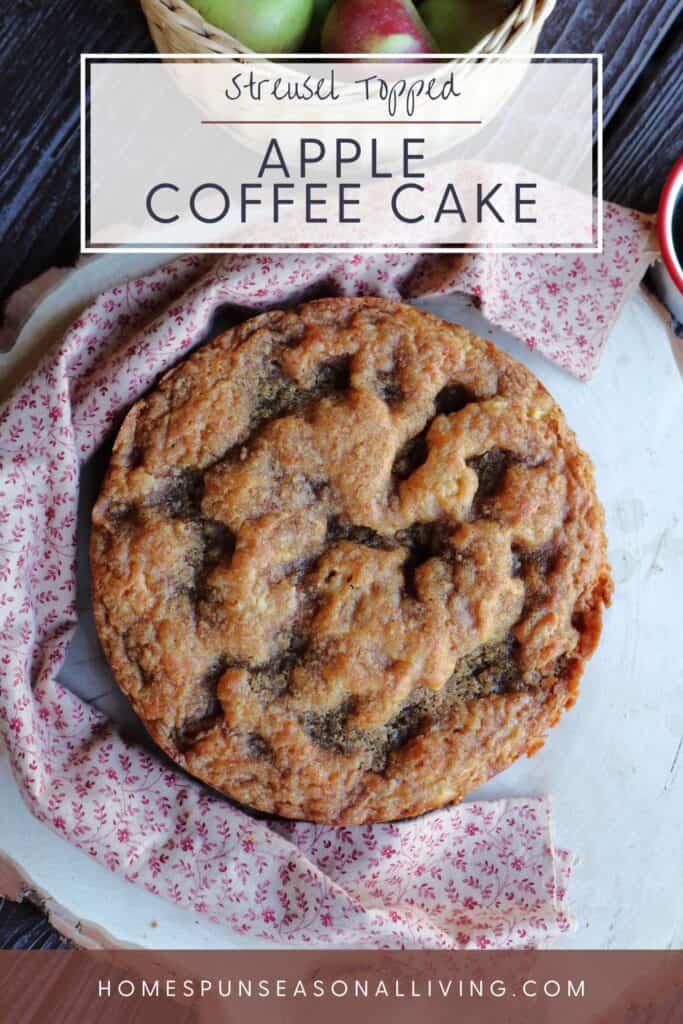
177, 27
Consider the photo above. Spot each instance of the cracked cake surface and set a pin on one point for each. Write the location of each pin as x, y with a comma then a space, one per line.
348, 562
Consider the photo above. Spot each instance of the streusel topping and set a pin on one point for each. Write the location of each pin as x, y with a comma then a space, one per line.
348, 561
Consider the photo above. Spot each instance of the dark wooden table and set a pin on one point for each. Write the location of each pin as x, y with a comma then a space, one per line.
40, 44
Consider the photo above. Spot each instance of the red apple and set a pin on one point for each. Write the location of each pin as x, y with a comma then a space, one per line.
376, 26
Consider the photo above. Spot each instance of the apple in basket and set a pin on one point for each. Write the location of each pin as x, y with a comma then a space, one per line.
458, 25
266, 26
376, 26
321, 8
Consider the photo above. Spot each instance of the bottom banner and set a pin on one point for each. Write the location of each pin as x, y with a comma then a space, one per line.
294, 986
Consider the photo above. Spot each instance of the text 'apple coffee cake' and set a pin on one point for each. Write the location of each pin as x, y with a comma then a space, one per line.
348, 562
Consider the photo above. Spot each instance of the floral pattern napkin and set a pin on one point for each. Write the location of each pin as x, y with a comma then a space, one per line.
474, 876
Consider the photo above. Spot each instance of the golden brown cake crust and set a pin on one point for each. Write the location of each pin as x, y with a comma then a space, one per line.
348, 562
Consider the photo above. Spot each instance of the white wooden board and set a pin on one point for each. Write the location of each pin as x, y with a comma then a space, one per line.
613, 767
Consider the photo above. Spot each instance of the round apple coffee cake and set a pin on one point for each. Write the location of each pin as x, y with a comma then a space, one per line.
348, 562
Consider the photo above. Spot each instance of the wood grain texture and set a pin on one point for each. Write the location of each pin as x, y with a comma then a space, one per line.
40, 46
22, 926
644, 142
626, 32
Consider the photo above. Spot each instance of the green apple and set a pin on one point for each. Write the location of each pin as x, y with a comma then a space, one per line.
266, 26
458, 25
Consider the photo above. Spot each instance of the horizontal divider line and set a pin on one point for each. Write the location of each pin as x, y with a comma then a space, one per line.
321, 123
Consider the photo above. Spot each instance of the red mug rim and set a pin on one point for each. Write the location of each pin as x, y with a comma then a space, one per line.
667, 202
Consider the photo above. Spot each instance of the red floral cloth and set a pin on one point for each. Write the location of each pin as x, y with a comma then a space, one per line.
561, 306
478, 875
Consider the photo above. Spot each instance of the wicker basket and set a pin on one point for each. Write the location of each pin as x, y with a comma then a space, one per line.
176, 27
